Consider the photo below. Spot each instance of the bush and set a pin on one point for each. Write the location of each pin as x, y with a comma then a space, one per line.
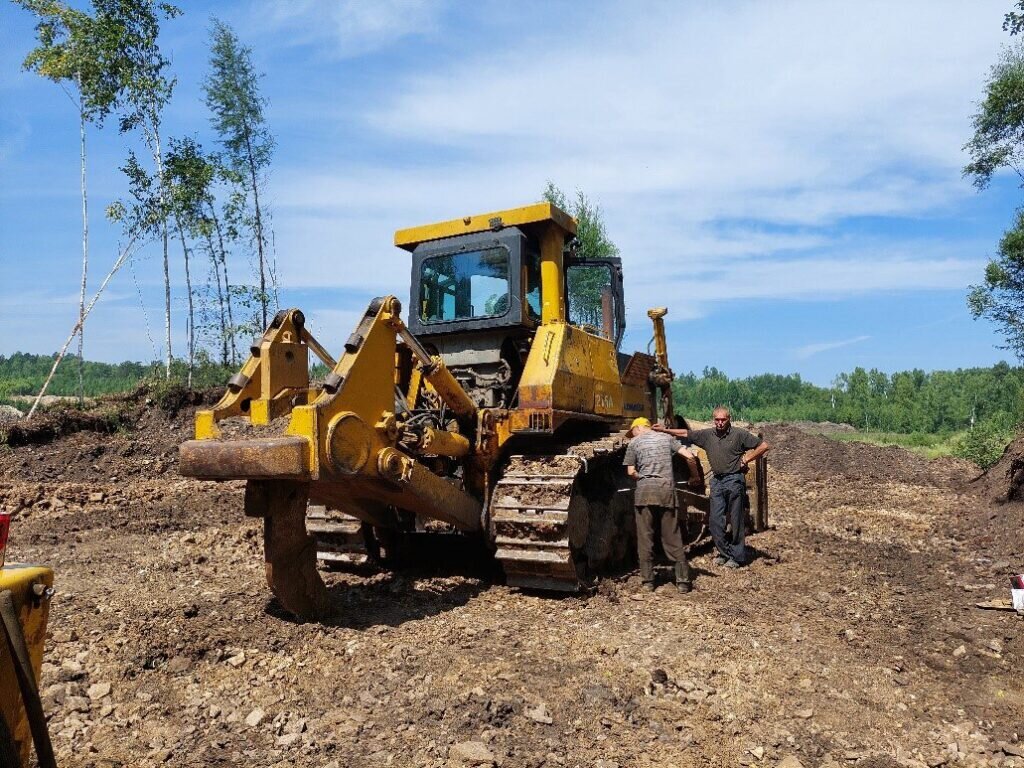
984, 445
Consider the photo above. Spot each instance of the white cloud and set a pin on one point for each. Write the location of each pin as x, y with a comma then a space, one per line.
712, 99
727, 144
347, 28
809, 350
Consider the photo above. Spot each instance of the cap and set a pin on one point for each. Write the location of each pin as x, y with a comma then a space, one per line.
639, 422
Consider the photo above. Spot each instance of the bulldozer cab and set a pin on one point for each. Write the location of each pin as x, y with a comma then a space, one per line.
492, 280
482, 285
475, 282
484, 272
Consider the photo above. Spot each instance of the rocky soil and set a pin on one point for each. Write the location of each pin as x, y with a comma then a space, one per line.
852, 639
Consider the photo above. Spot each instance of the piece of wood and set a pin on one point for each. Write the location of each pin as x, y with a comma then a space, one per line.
998, 604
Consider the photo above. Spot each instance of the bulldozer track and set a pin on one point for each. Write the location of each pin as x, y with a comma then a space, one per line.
557, 516
340, 538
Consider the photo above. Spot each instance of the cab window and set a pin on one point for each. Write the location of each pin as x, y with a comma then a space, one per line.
591, 299
462, 286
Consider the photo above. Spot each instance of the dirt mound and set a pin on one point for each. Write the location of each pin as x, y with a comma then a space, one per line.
50, 425
823, 427
133, 435
815, 457
1004, 480
1003, 486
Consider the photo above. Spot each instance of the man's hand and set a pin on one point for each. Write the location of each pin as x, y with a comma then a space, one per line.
658, 427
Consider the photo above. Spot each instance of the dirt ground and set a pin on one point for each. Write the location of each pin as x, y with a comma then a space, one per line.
852, 639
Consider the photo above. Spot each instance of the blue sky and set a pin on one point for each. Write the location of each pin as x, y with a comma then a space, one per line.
784, 176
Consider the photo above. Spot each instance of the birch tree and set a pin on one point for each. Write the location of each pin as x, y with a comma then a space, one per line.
147, 90
232, 94
191, 175
77, 51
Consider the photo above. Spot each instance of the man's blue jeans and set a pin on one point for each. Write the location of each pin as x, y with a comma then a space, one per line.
728, 502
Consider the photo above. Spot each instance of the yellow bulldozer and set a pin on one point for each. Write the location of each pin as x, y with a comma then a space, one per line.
499, 408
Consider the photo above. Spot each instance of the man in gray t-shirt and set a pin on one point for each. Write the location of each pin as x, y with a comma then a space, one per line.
730, 449
649, 461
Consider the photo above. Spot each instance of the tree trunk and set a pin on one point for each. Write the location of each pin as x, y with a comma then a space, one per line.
227, 284
259, 228
85, 254
159, 162
221, 309
191, 326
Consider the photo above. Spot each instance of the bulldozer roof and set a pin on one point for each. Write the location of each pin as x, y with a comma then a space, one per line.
529, 217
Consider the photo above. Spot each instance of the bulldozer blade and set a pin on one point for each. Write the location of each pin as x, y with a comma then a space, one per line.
270, 458
289, 551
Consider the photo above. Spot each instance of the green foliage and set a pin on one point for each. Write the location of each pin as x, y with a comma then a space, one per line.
585, 285
190, 176
80, 50
984, 445
23, 374
233, 97
592, 241
936, 403
1000, 297
142, 67
1013, 22
143, 214
922, 443
248, 301
998, 144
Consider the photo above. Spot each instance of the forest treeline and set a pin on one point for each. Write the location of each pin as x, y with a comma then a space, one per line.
939, 402
23, 373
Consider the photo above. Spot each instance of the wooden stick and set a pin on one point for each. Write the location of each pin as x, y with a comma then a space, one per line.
128, 249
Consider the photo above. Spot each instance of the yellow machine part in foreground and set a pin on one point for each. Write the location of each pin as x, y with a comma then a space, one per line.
33, 614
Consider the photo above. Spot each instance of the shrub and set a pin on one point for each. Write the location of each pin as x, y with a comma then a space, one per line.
984, 445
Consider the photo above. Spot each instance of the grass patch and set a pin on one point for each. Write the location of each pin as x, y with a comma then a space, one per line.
922, 443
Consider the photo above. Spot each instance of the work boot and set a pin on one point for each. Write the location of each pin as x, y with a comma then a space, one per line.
647, 575
683, 583
730, 563
647, 586
721, 560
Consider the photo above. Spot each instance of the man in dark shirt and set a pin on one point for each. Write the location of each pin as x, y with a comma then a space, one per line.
730, 450
648, 460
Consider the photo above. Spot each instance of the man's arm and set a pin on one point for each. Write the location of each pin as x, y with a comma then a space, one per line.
755, 453
631, 471
674, 432
691, 462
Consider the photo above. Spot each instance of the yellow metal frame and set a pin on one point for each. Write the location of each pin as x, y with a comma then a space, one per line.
538, 213
569, 373
549, 224
274, 375
33, 614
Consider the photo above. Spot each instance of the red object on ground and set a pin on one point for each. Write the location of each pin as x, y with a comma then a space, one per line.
5, 527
